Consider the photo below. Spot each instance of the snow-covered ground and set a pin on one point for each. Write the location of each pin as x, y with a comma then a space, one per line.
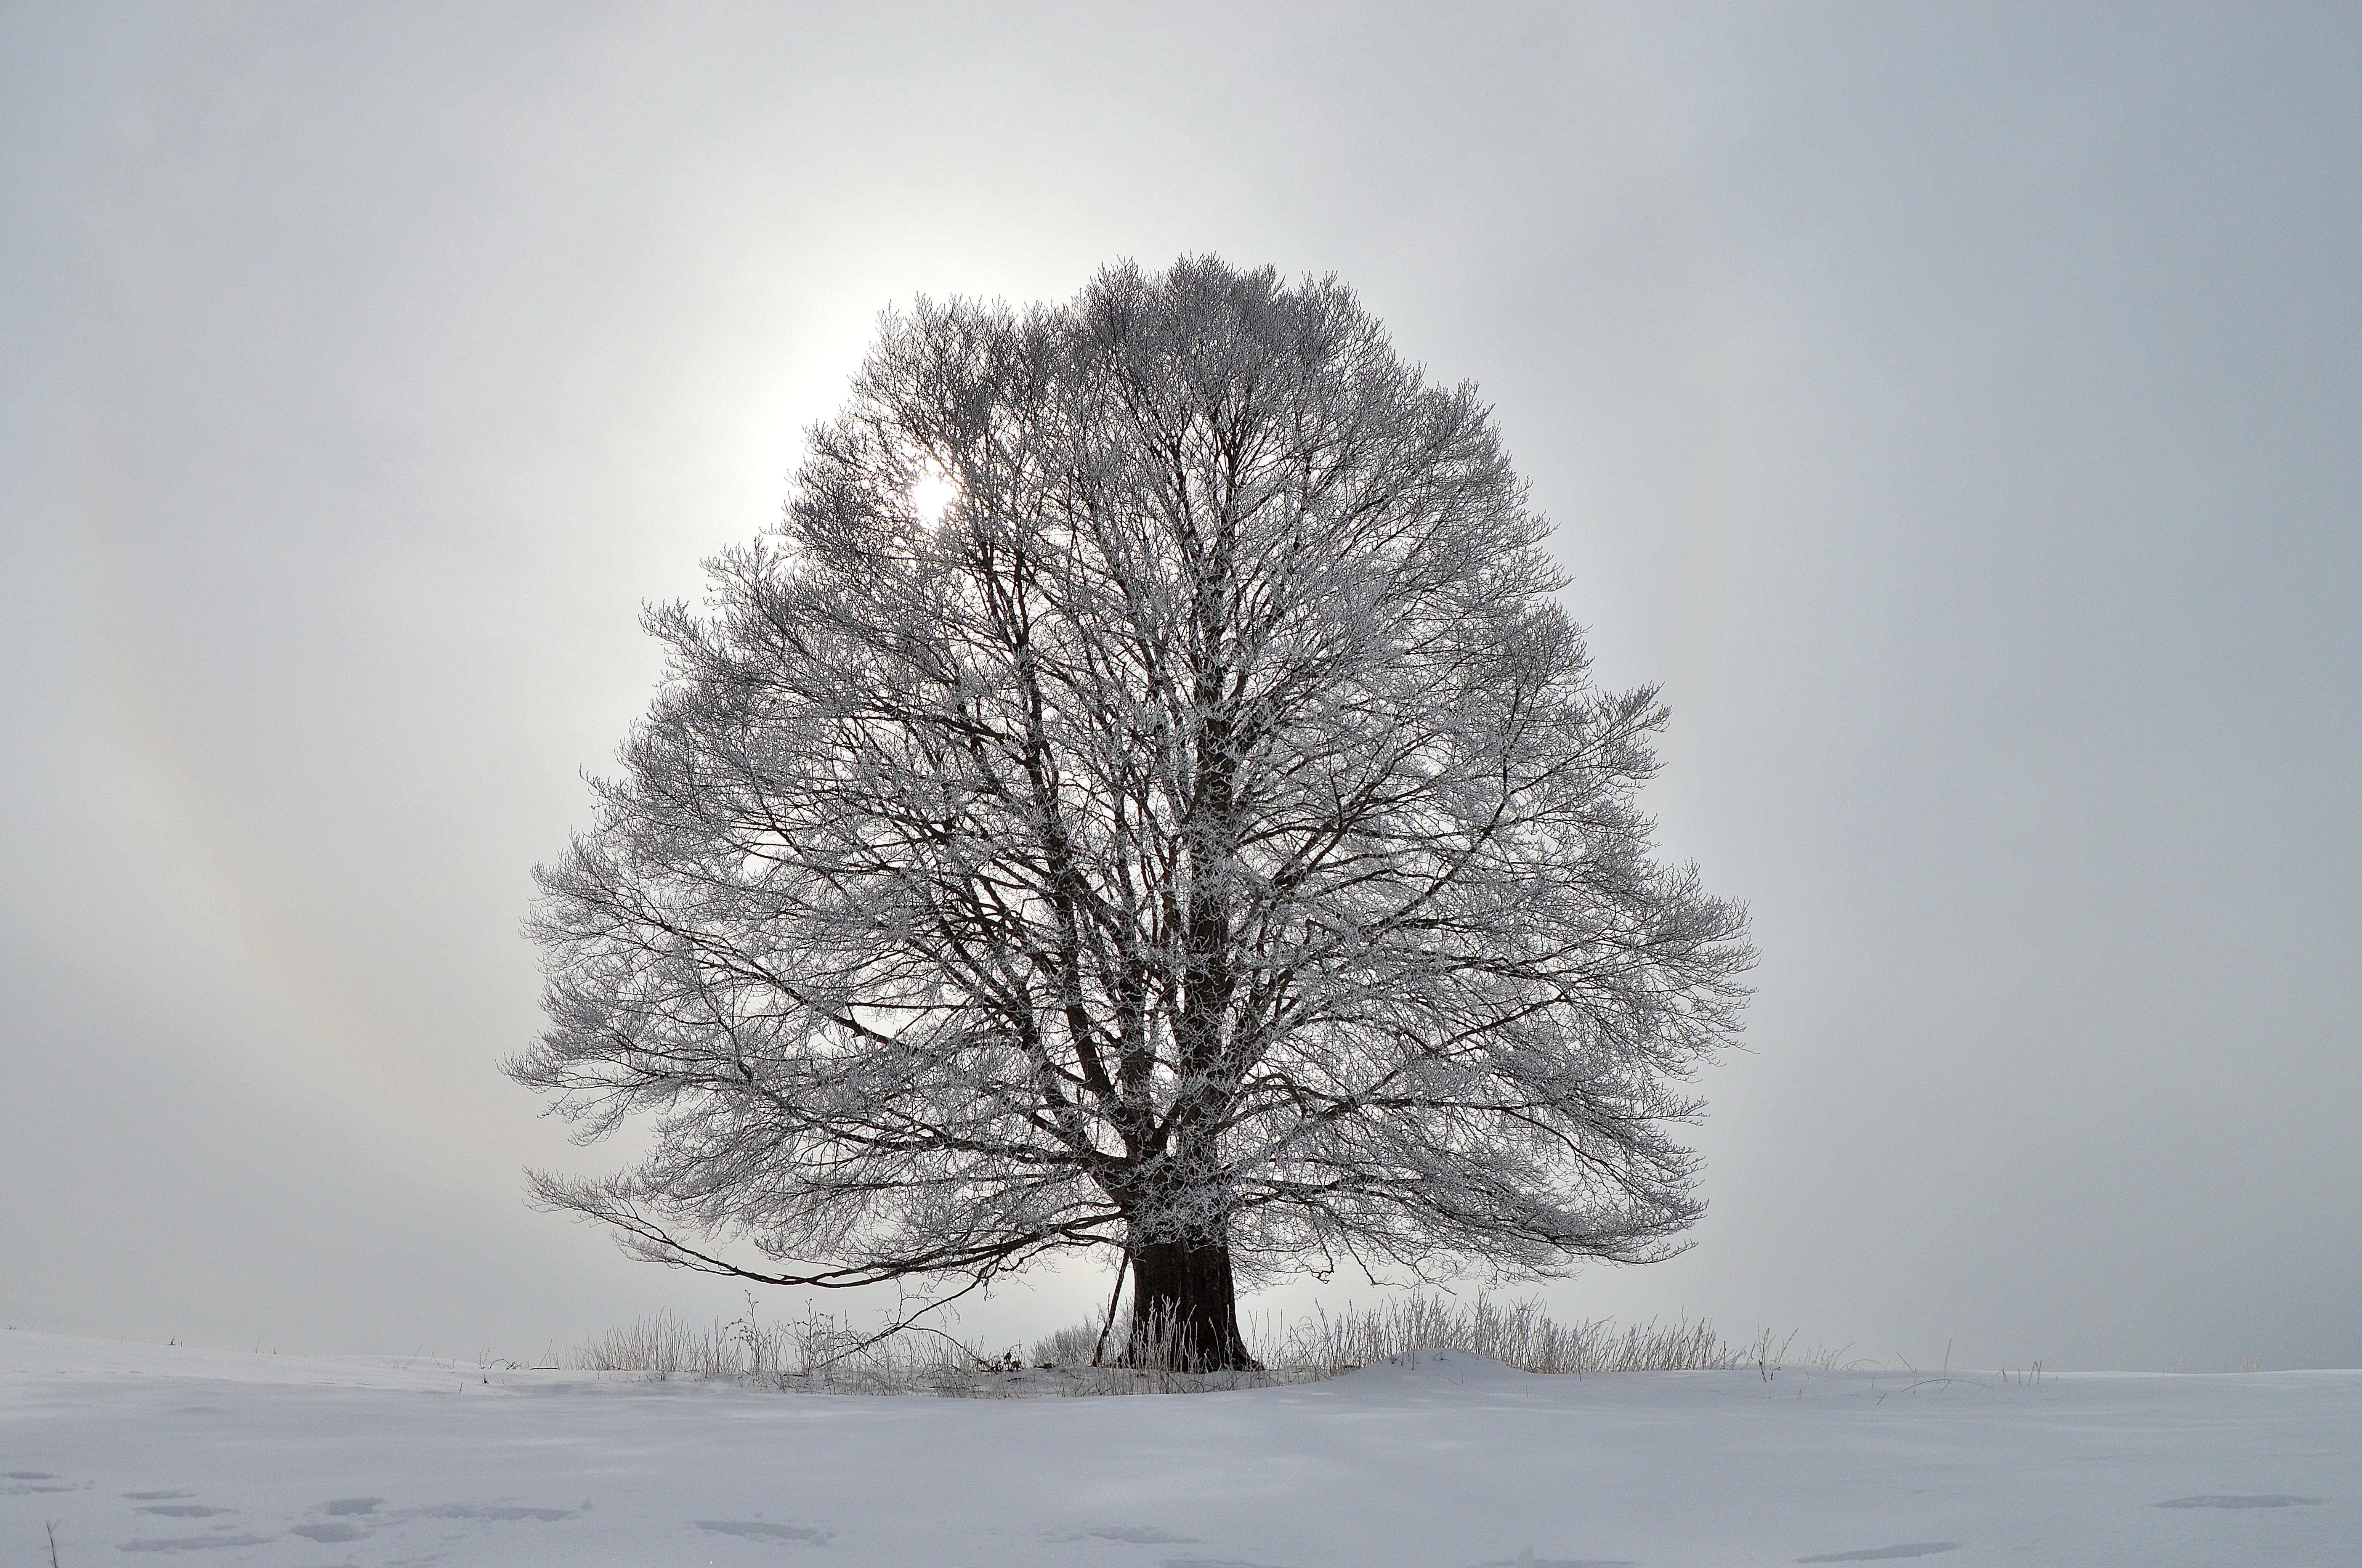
1449, 1463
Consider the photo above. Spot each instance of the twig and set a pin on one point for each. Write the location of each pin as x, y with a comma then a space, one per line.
909, 1322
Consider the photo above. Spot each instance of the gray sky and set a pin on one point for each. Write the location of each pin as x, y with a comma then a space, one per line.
1955, 407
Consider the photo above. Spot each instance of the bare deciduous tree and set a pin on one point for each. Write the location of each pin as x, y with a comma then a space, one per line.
1201, 839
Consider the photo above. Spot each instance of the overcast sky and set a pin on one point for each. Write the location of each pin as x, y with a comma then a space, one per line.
1954, 407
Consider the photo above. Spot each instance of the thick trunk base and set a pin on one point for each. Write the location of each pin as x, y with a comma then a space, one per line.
1185, 1308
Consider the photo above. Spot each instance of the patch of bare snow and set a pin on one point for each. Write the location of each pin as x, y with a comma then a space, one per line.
1433, 1460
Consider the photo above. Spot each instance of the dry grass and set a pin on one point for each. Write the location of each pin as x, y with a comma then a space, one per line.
1520, 1334
818, 1353
823, 1353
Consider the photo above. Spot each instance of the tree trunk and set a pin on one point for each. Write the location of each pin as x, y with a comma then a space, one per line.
1185, 1308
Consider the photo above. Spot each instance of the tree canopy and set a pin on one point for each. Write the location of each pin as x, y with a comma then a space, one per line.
1202, 839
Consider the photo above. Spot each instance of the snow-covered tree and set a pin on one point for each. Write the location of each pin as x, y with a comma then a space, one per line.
1147, 796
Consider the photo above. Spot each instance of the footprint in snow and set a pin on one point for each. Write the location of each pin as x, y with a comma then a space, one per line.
157, 1497
340, 1509
185, 1511
31, 1476
1528, 1560
2269, 1500
1138, 1535
761, 1530
196, 1542
1884, 1553
466, 1511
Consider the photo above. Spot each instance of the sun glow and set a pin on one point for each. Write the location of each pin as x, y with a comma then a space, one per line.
931, 495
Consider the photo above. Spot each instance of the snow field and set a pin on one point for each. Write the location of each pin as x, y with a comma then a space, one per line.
1441, 1461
